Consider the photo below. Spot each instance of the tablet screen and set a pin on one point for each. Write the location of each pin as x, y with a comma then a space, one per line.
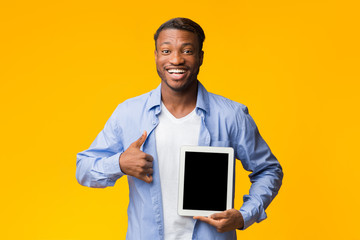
205, 181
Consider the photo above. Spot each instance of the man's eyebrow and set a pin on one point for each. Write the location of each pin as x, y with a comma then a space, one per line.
187, 44
165, 43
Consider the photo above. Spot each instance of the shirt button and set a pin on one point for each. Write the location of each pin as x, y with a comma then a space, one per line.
153, 122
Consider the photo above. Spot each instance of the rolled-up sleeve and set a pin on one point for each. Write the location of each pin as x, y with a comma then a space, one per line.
267, 174
99, 166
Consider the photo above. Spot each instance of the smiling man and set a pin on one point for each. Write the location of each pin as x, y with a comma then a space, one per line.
178, 59
179, 112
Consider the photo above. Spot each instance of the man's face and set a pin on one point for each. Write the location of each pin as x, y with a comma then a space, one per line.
178, 59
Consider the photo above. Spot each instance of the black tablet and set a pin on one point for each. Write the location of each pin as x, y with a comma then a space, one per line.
205, 180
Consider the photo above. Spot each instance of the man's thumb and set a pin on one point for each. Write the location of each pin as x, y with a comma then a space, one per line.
140, 141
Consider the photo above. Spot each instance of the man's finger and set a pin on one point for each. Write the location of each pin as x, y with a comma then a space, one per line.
149, 158
220, 215
147, 178
201, 218
147, 168
140, 141
147, 165
149, 171
207, 220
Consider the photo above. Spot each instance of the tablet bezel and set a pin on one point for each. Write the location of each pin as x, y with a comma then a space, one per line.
230, 182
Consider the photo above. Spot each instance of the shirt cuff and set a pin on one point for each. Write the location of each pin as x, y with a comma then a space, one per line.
112, 165
247, 219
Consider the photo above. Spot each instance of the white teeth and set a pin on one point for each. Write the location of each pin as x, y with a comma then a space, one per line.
176, 71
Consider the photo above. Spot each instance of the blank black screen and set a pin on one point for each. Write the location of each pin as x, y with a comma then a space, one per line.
205, 181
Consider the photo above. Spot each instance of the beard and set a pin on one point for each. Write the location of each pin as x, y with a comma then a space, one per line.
188, 82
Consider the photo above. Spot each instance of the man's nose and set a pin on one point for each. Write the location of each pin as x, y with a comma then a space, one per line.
176, 58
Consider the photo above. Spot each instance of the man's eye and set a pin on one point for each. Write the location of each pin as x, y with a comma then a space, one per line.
165, 51
187, 51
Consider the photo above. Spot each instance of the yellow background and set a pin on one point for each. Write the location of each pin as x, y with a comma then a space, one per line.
65, 65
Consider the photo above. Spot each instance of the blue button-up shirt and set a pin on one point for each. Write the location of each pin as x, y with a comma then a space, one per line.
224, 123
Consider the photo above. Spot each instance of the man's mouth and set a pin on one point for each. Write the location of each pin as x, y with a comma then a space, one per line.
176, 71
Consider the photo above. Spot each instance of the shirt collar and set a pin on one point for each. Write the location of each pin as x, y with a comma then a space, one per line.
154, 99
202, 101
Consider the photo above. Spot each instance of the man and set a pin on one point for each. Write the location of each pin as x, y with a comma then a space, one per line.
179, 112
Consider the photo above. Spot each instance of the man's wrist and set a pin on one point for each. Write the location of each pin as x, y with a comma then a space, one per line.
121, 170
240, 224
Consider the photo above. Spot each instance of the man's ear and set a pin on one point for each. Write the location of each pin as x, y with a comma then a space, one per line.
155, 53
201, 57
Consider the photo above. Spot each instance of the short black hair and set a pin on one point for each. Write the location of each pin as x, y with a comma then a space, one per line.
182, 24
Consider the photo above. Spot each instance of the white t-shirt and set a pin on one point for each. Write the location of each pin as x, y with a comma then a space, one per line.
172, 133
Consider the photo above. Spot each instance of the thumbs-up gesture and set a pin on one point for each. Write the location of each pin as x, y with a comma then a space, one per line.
135, 162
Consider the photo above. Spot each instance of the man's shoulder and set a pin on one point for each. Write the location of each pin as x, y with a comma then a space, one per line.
225, 104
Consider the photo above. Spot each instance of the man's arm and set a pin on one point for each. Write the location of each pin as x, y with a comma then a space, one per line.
99, 166
266, 178
106, 161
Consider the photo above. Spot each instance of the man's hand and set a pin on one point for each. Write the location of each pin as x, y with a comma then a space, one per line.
135, 162
225, 221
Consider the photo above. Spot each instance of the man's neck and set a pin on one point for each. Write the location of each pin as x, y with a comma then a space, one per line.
179, 103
